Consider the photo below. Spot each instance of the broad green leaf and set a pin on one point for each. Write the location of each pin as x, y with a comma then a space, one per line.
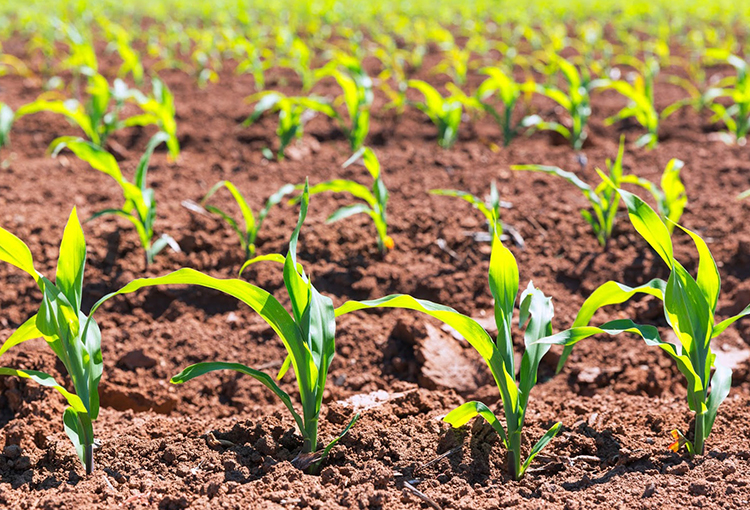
15, 252
47, 380
649, 334
73, 429
344, 186
708, 279
434, 102
649, 225
537, 309
26, 331
72, 261
721, 383
199, 369
256, 298
503, 278
723, 325
347, 211
91, 153
461, 415
465, 326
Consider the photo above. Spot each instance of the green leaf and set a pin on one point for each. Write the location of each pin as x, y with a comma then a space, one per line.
465, 326
347, 211
199, 369
538, 310
649, 225
142, 169
721, 383
468, 197
461, 415
344, 186
26, 331
15, 252
503, 277
256, 298
723, 325
79, 429
72, 261
47, 380
247, 213
539, 446
98, 158
708, 279
610, 293
338, 438
649, 334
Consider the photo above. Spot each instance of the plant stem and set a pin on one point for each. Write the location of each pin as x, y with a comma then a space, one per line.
89, 459
311, 435
700, 432
514, 454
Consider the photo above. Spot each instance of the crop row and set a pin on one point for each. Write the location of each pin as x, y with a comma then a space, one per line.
308, 332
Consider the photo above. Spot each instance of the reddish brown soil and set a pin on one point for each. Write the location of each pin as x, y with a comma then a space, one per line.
617, 400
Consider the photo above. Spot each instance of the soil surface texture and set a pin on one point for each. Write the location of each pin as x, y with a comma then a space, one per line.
224, 441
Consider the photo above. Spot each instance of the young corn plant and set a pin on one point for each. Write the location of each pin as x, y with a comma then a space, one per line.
73, 337
536, 312
375, 200
308, 334
736, 116
640, 93
357, 96
575, 100
444, 112
294, 112
604, 199
509, 91
158, 110
249, 233
140, 204
490, 209
99, 116
689, 309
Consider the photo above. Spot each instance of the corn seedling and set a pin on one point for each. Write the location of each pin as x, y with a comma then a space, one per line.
140, 204
490, 209
119, 40
689, 309
575, 100
74, 338
294, 112
357, 97
252, 226
99, 117
509, 91
308, 334
736, 116
375, 200
536, 310
444, 112
158, 110
604, 199
640, 93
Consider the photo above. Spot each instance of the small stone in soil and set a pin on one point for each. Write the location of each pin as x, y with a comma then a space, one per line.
12, 451
650, 490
